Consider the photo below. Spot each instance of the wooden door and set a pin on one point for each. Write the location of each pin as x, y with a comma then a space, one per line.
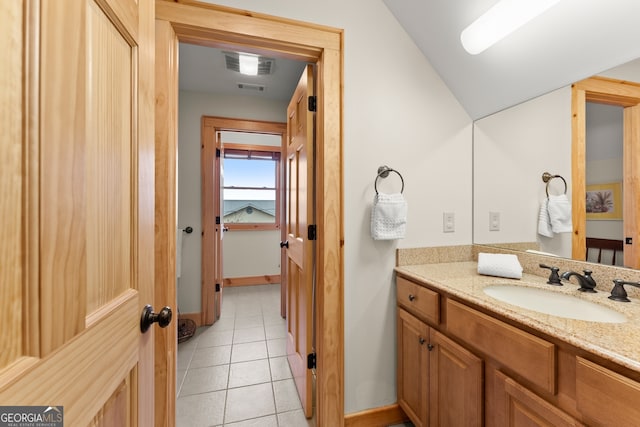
299, 253
455, 395
220, 229
413, 368
76, 246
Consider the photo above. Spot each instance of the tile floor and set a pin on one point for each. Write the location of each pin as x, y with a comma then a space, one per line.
235, 373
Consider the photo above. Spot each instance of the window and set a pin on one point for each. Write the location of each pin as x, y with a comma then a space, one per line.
250, 192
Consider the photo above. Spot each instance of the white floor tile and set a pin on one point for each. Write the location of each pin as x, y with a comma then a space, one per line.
277, 347
215, 338
249, 322
279, 368
275, 331
248, 335
248, 351
249, 402
270, 421
295, 419
286, 395
200, 409
249, 373
202, 380
211, 356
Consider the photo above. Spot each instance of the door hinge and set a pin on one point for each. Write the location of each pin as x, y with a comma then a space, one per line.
217, 287
217, 152
313, 101
217, 220
312, 232
628, 240
311, 361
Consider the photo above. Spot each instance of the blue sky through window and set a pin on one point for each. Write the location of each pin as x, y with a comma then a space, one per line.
249, 173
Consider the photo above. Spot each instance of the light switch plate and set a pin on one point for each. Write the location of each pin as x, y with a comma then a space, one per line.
494, 221
448, 222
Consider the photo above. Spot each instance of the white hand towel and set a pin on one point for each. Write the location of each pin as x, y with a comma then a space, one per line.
500, 265
560, 214
388, 216
544, 223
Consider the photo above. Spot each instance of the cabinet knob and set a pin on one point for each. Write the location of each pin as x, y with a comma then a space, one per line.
422, 340
429, 347
411, 297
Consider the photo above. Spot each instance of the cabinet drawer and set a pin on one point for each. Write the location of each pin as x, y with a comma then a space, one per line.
606, 396
419, 300
527, 355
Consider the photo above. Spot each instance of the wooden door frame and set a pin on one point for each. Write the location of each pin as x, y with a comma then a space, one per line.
611, 92
216, 26
209, 126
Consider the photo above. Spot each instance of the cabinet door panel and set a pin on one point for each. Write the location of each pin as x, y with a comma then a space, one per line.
518, 406
456, 388
413, 369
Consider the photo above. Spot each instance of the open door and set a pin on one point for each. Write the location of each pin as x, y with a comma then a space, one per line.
300, 236
220, 228
76, 104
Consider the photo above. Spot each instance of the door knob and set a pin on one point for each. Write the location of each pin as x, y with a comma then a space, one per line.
149, 317
284, 244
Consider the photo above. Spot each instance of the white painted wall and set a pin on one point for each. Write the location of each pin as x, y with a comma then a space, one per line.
512, 149
397, 112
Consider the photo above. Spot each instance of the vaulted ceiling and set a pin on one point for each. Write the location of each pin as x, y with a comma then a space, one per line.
573, 40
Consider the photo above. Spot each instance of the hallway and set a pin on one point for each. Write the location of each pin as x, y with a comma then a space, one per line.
235, 372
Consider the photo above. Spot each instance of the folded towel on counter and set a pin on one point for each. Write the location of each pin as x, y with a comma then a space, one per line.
560, 214
500, 265
388, 216
544, 222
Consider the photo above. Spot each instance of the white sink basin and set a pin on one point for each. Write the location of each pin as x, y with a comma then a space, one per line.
554, 303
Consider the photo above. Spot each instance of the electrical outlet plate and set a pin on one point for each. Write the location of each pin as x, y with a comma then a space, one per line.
448, 222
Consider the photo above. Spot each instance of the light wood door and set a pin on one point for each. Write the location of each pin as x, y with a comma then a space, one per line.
76, 245
299, 254
455, 395
413, 368
220, 229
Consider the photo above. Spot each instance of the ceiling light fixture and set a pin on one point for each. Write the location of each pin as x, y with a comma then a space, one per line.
248, 64
502, 19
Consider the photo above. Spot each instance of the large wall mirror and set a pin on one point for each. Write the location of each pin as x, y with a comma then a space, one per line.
593, 153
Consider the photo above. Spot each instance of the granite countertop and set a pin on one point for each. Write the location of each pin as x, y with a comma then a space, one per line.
617, 342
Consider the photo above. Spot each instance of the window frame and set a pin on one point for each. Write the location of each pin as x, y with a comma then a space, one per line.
277, 157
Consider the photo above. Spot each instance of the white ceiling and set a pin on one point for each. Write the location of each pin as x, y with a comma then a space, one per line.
203, 69
573, 40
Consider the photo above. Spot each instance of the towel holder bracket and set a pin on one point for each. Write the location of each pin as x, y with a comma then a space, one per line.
383, 172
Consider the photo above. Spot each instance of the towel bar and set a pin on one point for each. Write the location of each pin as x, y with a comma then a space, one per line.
383, 172
547, 177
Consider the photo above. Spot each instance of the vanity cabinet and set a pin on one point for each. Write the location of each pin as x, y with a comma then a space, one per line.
439, 381
463, 365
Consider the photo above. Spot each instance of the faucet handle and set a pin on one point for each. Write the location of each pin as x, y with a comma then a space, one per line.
618, 293
554, 278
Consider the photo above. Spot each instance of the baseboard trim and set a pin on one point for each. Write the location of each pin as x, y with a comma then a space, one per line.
252, 280
376, 417
196, 317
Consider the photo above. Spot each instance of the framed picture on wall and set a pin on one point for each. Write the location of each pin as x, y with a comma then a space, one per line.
604, 201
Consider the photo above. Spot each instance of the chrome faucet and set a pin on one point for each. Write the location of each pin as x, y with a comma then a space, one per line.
586, 282
618, 293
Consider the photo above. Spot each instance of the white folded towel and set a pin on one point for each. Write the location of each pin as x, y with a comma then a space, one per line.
500, 265
544, 223
560, 214
388, 216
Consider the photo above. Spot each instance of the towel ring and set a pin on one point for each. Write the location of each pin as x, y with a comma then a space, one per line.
383, 172
547, 177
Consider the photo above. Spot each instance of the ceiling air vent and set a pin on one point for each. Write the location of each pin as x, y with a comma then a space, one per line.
265, 65
251, 87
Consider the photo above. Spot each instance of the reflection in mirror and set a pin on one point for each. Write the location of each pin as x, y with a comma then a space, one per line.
513, 148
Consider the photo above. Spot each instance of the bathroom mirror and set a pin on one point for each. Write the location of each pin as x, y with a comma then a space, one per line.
514, 147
